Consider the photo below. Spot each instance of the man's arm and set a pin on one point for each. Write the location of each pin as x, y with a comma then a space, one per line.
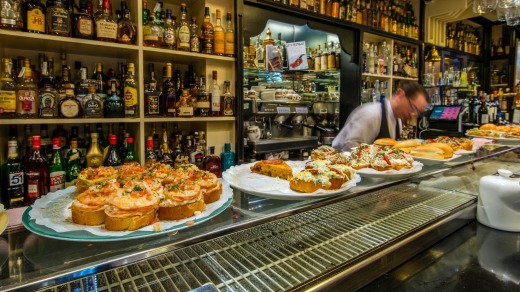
362, 126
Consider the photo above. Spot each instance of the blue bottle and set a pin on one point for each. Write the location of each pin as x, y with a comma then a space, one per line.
227, 157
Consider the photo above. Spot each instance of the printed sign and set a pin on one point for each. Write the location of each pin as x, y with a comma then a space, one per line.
296, 56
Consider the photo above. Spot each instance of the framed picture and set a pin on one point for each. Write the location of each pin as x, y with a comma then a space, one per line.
274, 58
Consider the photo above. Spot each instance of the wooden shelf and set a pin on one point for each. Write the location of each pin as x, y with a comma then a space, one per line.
405, 78
376, 75
66, 121
160, 55
194, 119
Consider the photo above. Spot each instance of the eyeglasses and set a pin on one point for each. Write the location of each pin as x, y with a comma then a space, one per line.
415, 110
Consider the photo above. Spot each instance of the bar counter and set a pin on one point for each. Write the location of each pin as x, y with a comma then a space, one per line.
265, 244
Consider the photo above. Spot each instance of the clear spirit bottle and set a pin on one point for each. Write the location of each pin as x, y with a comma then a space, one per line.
215, 96
229, 38
229, 100
183, 34
169, 36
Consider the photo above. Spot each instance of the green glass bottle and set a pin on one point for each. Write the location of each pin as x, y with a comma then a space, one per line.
12, 177
130, 157
56, 168
73, 160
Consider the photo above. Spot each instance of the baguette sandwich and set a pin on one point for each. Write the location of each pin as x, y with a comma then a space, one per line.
406, 145
385, 142
447, 149
428, 151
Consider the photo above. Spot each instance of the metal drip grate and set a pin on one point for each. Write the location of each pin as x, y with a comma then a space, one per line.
285, 253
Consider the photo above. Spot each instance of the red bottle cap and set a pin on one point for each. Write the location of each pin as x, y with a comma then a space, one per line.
56, 144
129, 140
36, 142
149, 143
113, 139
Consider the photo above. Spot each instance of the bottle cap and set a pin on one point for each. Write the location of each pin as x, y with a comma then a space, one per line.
227, 147
113, 139
36, 142
129, 140
55, 143
149, 143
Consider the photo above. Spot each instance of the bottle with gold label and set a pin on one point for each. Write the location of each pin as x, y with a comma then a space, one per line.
229, 100
58, 18
94, 155
7, 91
218, 35
207, 35
185, 105
130, 93
69, 107
183, 32
229, 37
33, 15
27, 101
106, 26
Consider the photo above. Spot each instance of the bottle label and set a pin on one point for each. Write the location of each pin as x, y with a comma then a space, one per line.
27, 99
94, 161
69, 108
184, 37
106, 29
207, 40
228, 106
33, 178
47, 105
229, 45
169, 37
7, 101
15, 179
153, 105
219, 42
93, 108
35, 20
57, 181
85, 27
148, 35
215, 103
484, 119
185, 111
73, 157
203, 104
130, 96
195, 44
60, 21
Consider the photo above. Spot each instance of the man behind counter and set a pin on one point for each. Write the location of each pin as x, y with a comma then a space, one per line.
365, 125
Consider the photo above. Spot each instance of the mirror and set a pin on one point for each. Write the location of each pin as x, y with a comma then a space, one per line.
517, 64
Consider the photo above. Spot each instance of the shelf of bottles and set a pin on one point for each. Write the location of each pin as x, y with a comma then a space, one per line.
384, 63
68, 95
464, 37
392, 16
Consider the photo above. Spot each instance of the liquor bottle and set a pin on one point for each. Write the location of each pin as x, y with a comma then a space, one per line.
177, 152
69, 107
7, 91
153, 98
28, 102
169, 36
106, 26
212, 162
36, 174
229, 100
73, 161
65, 84
94, 155
150, 156
113, 158
145, 13
126, 28
11, 17
229, 38
114, 106
215, 96
33, 15
152, 33
183, 34
166, 156
185, 105
219, 36
130, 94
194, 36
227, 157
58, 18
100, 81
92, 104
483, 112
206, 34
83, 22
56, 168
197, 156
62, 134
12, 177
130, 157
45, 142
203, 105
169, 93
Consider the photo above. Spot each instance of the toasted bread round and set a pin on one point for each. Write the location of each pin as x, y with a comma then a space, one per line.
212, 195
87, 216
304, 186
129, 222
407, 144
489, 127
385, 142
180, 212
447, 150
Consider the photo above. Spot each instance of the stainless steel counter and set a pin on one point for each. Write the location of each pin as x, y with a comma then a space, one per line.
475, 258
263, 244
